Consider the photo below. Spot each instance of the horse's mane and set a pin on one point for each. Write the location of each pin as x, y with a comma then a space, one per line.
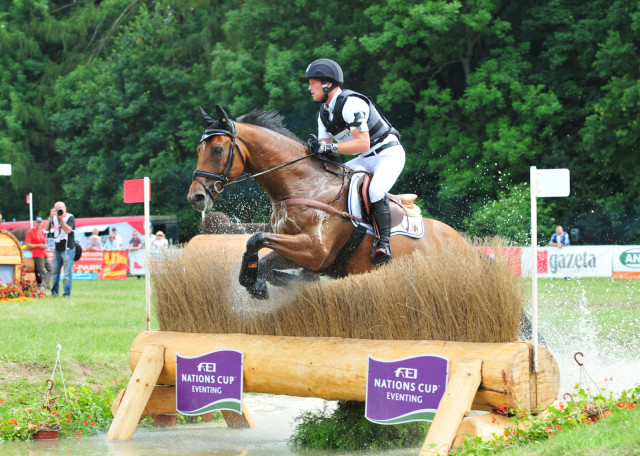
268, 119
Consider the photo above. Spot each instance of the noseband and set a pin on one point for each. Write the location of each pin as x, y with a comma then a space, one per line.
222, 179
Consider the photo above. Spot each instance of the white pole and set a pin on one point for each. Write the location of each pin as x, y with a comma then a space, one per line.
30, 210
534, 265
147, 238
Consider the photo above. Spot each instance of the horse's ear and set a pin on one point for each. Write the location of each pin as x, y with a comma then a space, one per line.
223, 117
208, 120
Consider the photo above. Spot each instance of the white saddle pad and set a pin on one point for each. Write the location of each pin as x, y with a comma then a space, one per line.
410, 226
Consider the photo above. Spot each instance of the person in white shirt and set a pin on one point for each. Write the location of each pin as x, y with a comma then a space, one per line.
160, 242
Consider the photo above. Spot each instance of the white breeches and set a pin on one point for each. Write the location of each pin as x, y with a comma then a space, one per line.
386, 168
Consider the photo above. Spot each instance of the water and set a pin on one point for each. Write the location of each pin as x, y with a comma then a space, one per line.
273, 416
606, 335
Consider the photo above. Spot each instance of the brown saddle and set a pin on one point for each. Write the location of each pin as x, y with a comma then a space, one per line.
399, 205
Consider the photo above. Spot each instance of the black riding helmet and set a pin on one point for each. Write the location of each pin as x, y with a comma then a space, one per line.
325, 70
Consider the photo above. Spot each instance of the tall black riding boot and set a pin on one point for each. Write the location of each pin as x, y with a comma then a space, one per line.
381, 251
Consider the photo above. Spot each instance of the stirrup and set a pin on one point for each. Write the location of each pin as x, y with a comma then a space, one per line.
380, 253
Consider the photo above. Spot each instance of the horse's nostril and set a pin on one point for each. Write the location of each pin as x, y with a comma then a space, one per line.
199, 197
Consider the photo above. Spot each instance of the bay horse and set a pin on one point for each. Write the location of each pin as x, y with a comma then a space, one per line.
309, 218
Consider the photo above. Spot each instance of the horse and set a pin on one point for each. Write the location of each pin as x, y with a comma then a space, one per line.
311, 225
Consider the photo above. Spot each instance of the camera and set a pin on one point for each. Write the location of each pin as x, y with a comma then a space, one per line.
60, 212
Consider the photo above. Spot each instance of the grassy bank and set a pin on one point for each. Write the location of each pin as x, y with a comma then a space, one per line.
95, 328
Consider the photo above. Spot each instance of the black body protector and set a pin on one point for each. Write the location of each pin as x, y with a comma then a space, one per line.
378, 126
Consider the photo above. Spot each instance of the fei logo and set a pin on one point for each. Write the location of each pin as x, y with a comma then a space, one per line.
406, 372
207, 367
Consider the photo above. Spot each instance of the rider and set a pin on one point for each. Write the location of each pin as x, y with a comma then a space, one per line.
359, 129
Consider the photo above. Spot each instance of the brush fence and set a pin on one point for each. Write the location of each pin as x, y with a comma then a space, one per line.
483, 376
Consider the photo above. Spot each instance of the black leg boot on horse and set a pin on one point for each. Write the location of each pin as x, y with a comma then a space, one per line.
381, 251
250, 276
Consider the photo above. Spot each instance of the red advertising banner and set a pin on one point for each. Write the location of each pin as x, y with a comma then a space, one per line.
511, 255
114, 266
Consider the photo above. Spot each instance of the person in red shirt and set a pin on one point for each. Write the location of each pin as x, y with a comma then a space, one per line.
36, 241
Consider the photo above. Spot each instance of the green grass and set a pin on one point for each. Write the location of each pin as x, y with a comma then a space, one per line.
618, 434
95, 328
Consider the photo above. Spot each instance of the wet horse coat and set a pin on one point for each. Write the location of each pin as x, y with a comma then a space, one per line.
302, 236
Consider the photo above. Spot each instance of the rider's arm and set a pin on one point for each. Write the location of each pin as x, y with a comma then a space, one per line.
358, 145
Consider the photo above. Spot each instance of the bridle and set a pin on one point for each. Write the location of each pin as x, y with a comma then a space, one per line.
223, 179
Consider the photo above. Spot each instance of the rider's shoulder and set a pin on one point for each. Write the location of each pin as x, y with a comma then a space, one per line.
355, 102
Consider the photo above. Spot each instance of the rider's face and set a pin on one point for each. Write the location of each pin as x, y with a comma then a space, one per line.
315, 87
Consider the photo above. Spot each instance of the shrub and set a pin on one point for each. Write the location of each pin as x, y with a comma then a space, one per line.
347, 429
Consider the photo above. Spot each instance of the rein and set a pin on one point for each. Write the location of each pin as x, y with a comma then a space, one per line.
223, 180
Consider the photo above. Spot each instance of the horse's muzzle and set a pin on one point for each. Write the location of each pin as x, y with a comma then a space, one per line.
198, 200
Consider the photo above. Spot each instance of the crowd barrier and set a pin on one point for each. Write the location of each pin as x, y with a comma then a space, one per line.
617, 261
108, 265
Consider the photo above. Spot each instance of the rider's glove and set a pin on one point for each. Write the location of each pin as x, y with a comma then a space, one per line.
322, 147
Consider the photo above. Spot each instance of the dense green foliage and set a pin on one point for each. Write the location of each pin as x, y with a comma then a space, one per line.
346, 429
96, 92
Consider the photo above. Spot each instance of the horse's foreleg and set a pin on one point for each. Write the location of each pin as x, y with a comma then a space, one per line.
301, 249
275, 269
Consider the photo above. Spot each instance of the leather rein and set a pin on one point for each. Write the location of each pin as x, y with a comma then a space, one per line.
223, 179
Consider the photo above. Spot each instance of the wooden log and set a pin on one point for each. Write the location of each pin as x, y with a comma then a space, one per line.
236, 420
336, 369
141, 384
234, 244
464, 380
485, 426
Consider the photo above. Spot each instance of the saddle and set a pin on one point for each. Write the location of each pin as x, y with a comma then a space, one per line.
399, 205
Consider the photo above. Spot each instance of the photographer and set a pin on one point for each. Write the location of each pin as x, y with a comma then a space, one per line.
60, 226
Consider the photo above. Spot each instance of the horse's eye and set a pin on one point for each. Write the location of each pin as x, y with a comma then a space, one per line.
217, 150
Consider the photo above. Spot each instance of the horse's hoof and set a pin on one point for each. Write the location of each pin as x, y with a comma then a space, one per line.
259, 291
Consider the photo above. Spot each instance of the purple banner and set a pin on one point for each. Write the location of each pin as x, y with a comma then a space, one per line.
208, 382
407, 389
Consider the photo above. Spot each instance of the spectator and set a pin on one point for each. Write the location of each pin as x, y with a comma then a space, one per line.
94, 242
60, 226
36, 241
160, 241
135, 243
1, 225
114, 231
112, 243
560, 238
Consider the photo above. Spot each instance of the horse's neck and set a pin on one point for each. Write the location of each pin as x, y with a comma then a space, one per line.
306, 178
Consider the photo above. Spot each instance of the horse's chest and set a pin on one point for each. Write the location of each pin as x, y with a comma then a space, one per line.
297, 220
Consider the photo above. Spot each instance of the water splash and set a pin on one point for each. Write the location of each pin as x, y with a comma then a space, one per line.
607, 340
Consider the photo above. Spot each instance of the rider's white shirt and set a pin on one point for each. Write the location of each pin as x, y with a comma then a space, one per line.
351, 106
